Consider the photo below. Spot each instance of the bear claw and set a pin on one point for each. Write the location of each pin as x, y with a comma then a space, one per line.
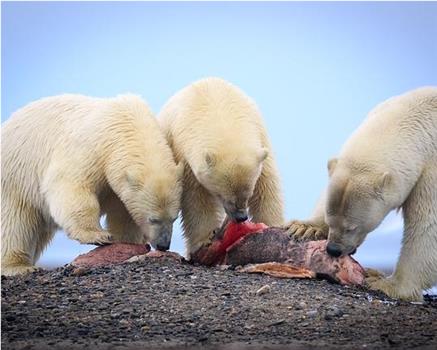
96, 238
306, 230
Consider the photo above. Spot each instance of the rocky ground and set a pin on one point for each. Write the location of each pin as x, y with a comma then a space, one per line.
160, 303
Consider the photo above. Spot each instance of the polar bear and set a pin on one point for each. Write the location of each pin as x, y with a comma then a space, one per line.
217, 132
390, 162
67, 160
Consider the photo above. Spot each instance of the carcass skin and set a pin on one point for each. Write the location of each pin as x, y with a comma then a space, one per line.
115, 253
274, 245
279, 270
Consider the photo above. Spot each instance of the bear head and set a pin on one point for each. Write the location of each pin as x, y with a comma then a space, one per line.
231, 178
358, 199
153, 200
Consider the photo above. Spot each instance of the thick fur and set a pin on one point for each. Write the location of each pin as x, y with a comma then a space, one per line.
390, 162
66, 160
219, 135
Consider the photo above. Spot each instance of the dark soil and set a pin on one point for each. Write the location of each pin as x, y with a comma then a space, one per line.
160, 303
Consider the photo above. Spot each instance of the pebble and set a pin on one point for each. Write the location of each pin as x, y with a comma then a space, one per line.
300, 306
312, 313
334, 311
263, 290
80, 271
277, 323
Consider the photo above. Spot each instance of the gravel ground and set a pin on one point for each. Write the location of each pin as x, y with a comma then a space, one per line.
159, 303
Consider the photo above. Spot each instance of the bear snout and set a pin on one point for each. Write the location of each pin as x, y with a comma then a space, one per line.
240, 215
334, 250
162, 247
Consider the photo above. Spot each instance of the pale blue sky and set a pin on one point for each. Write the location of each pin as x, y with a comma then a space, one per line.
315, 70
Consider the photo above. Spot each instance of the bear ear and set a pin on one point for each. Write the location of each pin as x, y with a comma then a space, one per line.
210, 160
262, 154
384, 181
331, 165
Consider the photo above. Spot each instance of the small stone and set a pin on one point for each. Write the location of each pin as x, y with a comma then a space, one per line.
127, 310
301, 305
97, 295
312, 313
10, 318
277, 323
263, 290
332, 312
80, 271
233, 312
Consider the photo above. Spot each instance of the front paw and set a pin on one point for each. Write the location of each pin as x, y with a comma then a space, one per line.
93, 237
306, 230
390, 287
17, 270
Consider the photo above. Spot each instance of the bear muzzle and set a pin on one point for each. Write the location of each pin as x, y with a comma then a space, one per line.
239, 215
334, 249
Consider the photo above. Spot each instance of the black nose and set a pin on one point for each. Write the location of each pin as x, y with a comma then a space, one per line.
240, 217
333, 250
163, 248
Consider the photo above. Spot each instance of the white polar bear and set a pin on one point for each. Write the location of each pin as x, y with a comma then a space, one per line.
66, 160
218, 133
390, 162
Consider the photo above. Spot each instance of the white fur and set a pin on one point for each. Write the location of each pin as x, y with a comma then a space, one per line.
68, 159
218, 133
389, 162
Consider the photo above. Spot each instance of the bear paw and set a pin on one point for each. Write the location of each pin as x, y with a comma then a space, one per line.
92, 237
390, 287
306, 230
17, 270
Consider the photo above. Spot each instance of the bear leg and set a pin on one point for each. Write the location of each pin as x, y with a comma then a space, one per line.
21, 226
120, 224
416, 269
266, 204
77, 210
201, 213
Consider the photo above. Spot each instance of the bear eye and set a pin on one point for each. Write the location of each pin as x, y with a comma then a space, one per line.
154, 221
349, 229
